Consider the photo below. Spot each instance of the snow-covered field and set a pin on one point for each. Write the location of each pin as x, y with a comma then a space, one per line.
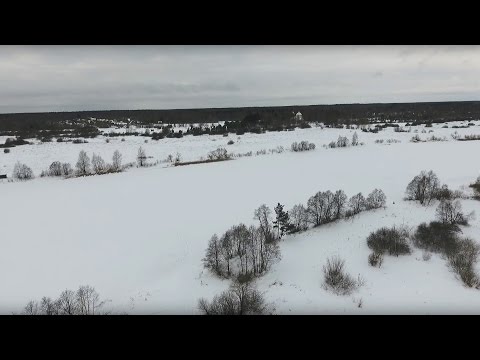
138, 237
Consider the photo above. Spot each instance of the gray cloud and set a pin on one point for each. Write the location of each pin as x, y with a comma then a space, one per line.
58, 78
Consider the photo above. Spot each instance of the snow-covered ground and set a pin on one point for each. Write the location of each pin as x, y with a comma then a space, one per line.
138, 237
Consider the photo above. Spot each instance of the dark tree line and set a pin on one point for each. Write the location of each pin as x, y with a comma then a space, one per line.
243, 119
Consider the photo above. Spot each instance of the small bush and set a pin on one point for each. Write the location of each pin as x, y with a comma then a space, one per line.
231, 142
426, 256
389, 240
6, 151
336, 279
375, 259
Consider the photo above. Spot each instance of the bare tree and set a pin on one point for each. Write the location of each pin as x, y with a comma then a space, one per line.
67, 169
22, 172
48, 306
83, 164
88, 300
98, 164
263, 215
355, 139
357, 204
339, 204
212, 258
67, 303
450, 212
423, 187
376, 199
141, 157
117, 161
32, 308
299, 217
55, 169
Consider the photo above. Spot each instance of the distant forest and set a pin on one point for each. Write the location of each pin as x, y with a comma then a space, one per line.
327, 114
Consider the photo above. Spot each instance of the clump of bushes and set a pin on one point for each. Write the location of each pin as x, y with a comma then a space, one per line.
337, 279
22, 172
392, 241
437, 237
416, 138
230, 142
239, 299
219, 154
79, 141
244, 252
6, 151
302, 146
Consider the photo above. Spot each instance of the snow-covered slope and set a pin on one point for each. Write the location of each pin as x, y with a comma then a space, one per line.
138, 237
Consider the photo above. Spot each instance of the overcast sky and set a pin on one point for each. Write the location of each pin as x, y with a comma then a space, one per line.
69, 78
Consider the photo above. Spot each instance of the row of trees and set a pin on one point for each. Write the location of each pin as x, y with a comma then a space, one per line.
302, 146
325, 207
97, 165
84, 301
343, 141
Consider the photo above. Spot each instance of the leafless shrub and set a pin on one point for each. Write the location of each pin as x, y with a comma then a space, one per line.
337, 280
218, 154
463, 261
22, 172
389, 240
450, 212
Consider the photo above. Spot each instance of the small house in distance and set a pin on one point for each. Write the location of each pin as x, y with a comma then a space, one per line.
299, 116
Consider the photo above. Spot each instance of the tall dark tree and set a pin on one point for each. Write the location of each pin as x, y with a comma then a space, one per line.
282, 221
